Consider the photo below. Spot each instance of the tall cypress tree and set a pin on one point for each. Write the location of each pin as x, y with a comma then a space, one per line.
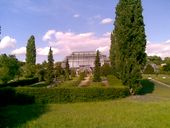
96, 76
30, 57
31, 51
129, 42
67, 70
50, 67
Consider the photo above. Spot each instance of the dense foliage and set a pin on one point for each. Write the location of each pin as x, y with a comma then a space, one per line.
22, 82
128, 42
148, 69
31, 51
59, 95
9, 67
106, 70
8, 96
50, 67
97, 68
154, 60
29, 68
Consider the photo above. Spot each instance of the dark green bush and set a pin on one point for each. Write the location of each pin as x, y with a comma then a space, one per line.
64, 95
23, 82
147, 87
9, 96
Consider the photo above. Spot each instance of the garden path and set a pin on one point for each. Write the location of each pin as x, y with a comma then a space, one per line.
85, 82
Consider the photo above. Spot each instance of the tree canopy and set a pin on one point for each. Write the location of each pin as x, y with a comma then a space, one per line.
9, 67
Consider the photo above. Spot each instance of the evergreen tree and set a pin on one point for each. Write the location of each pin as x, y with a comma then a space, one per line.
149, 69
67, 70
31, 51
96, 76
50, 67
129, 43
115, 56
30, 58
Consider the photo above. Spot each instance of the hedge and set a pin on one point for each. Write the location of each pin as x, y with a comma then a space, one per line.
8, 96
23, 82
65, 95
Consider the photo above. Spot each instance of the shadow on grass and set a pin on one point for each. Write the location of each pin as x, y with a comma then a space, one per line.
9, 96
16, 116
17, 108
147, 87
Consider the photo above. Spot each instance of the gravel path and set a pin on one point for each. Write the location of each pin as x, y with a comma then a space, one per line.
85, 82
105, 82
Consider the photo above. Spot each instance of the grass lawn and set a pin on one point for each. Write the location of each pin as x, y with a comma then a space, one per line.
113, 81
163, 78
145, 111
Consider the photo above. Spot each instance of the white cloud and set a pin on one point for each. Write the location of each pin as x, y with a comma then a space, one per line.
40, 51
76, 15
159, 49
107, 34
106, 21
104, 49
19, 51
48, 34
168, 41
7, 42
68, 42
45, 51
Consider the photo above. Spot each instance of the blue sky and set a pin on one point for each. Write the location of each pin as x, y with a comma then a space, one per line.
69, 25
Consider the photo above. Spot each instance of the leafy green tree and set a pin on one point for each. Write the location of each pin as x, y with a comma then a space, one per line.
166, 68
128, 41
155, 60
9, 67
40, 72
58, 69
106, 70
67, 70
96, 74
148, 69
50, 67
30, 57
167, 60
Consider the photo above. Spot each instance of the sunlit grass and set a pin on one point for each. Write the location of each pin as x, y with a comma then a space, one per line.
120, 114
145, 111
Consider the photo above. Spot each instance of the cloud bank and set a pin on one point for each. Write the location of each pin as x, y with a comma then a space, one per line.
7, 42
107, 21
64, 43
67, 42
159, 49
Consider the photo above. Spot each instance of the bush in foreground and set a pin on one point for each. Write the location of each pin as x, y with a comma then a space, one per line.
64, 95
23, 82
9, 96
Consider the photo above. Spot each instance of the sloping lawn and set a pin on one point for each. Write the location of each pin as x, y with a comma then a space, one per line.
146, 111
